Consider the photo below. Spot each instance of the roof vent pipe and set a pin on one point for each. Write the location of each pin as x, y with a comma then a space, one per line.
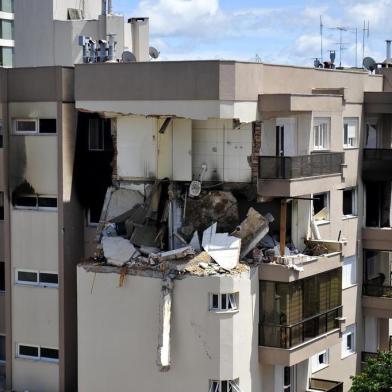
110, 7
104, 7
388, 41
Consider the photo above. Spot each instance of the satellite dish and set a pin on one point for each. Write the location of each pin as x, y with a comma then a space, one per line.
195, 186
128, 57
153, 52
369, 64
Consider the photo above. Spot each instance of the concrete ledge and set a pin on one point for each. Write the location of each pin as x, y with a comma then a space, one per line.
295, 355
377, 238
379, 307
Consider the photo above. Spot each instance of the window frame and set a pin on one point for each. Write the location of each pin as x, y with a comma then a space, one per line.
353, 279
37, 126
232, 385
316, 366
37, 207
38, 282
322, 135
101, 131
39, 357
350, 331
346, 122
46, 284
3, 361
354, 202
231, 302
327, 206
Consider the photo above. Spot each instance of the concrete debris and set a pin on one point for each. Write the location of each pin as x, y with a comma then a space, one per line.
195, 242
109, 230
163, 360
222, 247
252, 230
215, 206
174, 254
315, 230
121, 201
146, 236
118, 251
147, 250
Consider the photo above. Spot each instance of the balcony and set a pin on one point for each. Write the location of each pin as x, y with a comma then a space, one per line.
316, 384
376, 164
288, 345
377, 300
298, 175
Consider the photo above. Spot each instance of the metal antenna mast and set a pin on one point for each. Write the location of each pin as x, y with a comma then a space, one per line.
365, 32
321, 37
340, 43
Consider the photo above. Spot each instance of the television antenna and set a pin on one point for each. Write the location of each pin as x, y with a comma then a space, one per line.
365, 33
341, 44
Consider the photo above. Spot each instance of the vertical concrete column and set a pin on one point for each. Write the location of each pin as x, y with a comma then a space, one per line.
256, 145
384, 334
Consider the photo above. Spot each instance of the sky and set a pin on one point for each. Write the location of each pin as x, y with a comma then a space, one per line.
280, 31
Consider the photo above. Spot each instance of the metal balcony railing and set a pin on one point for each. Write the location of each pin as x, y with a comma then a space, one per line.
318, 384
377, 154
318, 164
288, 336
376, 290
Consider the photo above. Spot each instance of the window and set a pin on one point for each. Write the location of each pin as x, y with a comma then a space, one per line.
1, 205
26, 126
35, 202
224, 386
96, 134
1, 134
37, 353
2, 276
349, 274
350, 202
287, 379
26, 277
321, 207
223, 302
33, 126
320, 361
47, 125
37, 278
6, 57
321, 133
2, 348
350, 132
7, 6
348, 341
7, 29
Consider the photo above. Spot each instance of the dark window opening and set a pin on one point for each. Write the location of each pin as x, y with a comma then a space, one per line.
96, 134
2, 348
349, 202
75, 14
49, 353
215, 301
287, 379
2, 276
95, 212
1, 134
47, 125
320, 202
26, 201
48, 202
1, 205
49, 278
378, 204
26, 276
29, 351
349, 342
26, 126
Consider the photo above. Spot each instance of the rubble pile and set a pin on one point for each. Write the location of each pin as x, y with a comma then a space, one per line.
159, 227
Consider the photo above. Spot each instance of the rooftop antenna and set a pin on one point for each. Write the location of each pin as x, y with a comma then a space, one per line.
321, 38
340, 43
365, 33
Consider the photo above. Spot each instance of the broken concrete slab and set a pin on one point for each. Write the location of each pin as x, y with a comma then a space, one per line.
175, 254
145, 236
118, 250
252, 230
215, 206
120, 200
195, 242
222, 247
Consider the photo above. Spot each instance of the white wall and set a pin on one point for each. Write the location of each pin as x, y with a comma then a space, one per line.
204, 345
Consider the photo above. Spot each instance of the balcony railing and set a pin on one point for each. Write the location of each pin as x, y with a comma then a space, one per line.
318, 384
376, 290
377, 154
288, 336
282, 167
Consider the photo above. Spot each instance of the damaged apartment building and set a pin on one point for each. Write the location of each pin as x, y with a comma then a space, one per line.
195, 225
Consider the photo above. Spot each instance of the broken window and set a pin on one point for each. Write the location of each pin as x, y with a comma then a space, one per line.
224, 386
321, 133
223, 302
350, 202
96, 134
2, 276
321, 206
350, 131
47, 125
